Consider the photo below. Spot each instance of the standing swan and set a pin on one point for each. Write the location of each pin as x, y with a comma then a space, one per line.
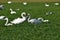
17, 20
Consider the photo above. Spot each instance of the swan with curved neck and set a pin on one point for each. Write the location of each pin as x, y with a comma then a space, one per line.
17, 20
36, 21
12, 12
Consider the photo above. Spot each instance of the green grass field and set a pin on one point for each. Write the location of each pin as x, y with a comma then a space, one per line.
27, 31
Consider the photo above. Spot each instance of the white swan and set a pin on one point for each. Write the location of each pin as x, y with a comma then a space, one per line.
9, 2
19, 20
56, 3
16, 21
35, 21
12, 12
47, 5
24, 3
2, 17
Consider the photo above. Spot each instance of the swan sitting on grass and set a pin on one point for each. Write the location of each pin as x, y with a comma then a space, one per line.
9, 2
17, 20
56, 3
24, 3
47, 5
12, 12
35, 21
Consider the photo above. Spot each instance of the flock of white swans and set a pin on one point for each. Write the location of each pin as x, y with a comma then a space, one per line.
24, 16
21, 20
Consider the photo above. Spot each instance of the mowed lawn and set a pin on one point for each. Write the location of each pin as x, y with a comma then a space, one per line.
27, 31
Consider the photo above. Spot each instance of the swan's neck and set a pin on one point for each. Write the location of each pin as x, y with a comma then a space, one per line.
22, 15
6, 21
29, 19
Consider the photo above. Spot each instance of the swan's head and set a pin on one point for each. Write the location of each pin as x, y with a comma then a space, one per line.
23, 14
28, 15
10, 8
6, 19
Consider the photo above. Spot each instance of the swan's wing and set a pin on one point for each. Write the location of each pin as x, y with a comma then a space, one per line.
18, 20
37, 21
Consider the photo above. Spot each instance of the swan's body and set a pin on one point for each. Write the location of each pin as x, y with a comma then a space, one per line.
2, 17
16, 21
35, 21
12, 12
